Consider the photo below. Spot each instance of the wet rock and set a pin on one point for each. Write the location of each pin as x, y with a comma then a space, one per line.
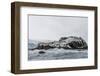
41, 52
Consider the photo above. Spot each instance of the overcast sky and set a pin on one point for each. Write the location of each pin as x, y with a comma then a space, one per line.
55, 27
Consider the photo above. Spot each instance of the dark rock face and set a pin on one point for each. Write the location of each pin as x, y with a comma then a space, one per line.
74, 42
65, 43
43, 46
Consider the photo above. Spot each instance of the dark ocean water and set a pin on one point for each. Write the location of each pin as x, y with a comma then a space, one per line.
55, 54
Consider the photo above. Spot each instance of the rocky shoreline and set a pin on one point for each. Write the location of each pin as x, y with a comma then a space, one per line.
71, 42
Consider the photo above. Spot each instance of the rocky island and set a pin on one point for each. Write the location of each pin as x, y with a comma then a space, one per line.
70, 42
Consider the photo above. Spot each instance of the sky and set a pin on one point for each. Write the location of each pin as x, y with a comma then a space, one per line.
54, 27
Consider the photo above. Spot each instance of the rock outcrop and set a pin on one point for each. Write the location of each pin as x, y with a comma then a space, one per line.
71, 42
74, 42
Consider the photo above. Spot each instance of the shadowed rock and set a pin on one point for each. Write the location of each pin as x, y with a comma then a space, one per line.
41, 52
74, 42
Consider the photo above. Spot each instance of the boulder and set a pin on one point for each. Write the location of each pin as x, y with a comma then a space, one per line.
74, 42
41, 52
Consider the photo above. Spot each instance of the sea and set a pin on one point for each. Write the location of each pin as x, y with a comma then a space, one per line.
56, 54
